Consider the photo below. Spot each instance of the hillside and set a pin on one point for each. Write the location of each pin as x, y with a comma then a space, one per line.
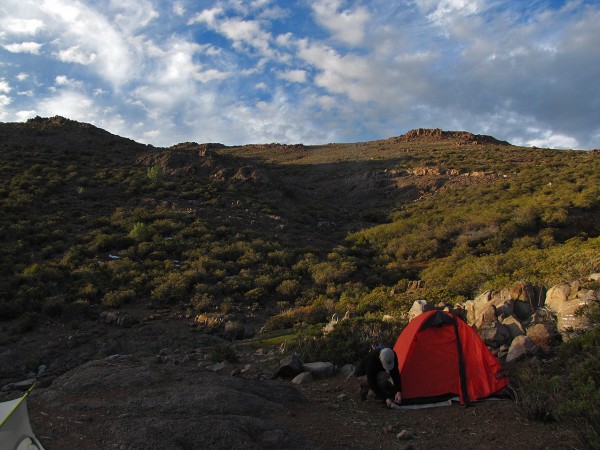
110, 247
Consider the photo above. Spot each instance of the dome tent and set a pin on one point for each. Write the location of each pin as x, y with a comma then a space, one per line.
439, 355
15, 429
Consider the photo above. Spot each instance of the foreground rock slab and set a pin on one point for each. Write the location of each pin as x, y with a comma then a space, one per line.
127, 403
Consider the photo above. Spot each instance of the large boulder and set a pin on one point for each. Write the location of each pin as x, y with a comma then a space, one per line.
565, 301
514, 326
543, 335
494, 334
481, 302
557, 296
126, 403
319, 369
521, 347
419, 307
289, 367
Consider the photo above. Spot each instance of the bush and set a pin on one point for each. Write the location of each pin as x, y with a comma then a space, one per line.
223, 352
348, 343
116, 299
140, 232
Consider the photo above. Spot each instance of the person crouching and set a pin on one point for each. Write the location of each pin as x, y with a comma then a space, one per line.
382, 376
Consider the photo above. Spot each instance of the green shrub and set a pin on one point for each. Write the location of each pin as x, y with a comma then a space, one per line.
116, 299
223, 352
348, 343
140, 232
154, 173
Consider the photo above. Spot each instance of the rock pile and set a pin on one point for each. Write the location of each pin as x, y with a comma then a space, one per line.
526, 319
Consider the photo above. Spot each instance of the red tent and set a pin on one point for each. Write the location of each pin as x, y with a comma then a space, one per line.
440, 354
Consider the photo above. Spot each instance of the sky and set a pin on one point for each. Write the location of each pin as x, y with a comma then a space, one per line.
306, 71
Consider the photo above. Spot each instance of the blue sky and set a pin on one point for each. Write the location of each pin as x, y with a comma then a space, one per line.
307, 71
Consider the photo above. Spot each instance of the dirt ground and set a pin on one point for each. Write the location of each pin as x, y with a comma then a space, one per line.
336, 418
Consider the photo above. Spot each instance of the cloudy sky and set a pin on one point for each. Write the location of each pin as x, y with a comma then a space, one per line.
306, 71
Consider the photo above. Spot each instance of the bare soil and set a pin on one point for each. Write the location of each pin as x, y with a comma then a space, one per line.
333, 418
336, 418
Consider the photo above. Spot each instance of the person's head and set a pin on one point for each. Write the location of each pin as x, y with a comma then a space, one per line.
386, 356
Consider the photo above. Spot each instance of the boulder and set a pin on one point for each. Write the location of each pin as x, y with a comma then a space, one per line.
514, 326
470, 312
289, 366
319, 369
521, 347
419, 307
481, 302
415, 285
504, 306
557, 296
347, 370
523, 295
494, 334
543, 335
303, 378
566, 318
522, 291
167, 406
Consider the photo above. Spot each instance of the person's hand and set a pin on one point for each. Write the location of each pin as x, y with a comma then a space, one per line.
388, 402
398, 397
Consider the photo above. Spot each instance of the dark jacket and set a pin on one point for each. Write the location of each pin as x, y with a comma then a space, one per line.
373, 366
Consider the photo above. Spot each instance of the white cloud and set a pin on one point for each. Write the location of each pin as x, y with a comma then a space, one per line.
68, 103
63, 80
445, 11
346, 26
4, 86
22, 76
5, 100
76, 55
208, 16
21, 26
84, 35
132, 15
294, 76
179, 8
22, 116
24, 47
550, 139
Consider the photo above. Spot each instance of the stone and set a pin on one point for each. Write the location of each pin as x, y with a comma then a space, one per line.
543, 335
522, 291
415, 284
594, 277
347, 370
419, 307
290, 366
514, 326
179, 405
504, 306
218, 367
481, 302
405, 435
494, 334
557, 296
303, 378
523, 310
521, 347
470, 312
320, 369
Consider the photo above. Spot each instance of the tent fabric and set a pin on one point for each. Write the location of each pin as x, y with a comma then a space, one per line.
15, 429
439, 354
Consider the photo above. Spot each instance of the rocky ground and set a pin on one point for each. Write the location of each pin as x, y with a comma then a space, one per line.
169, 395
